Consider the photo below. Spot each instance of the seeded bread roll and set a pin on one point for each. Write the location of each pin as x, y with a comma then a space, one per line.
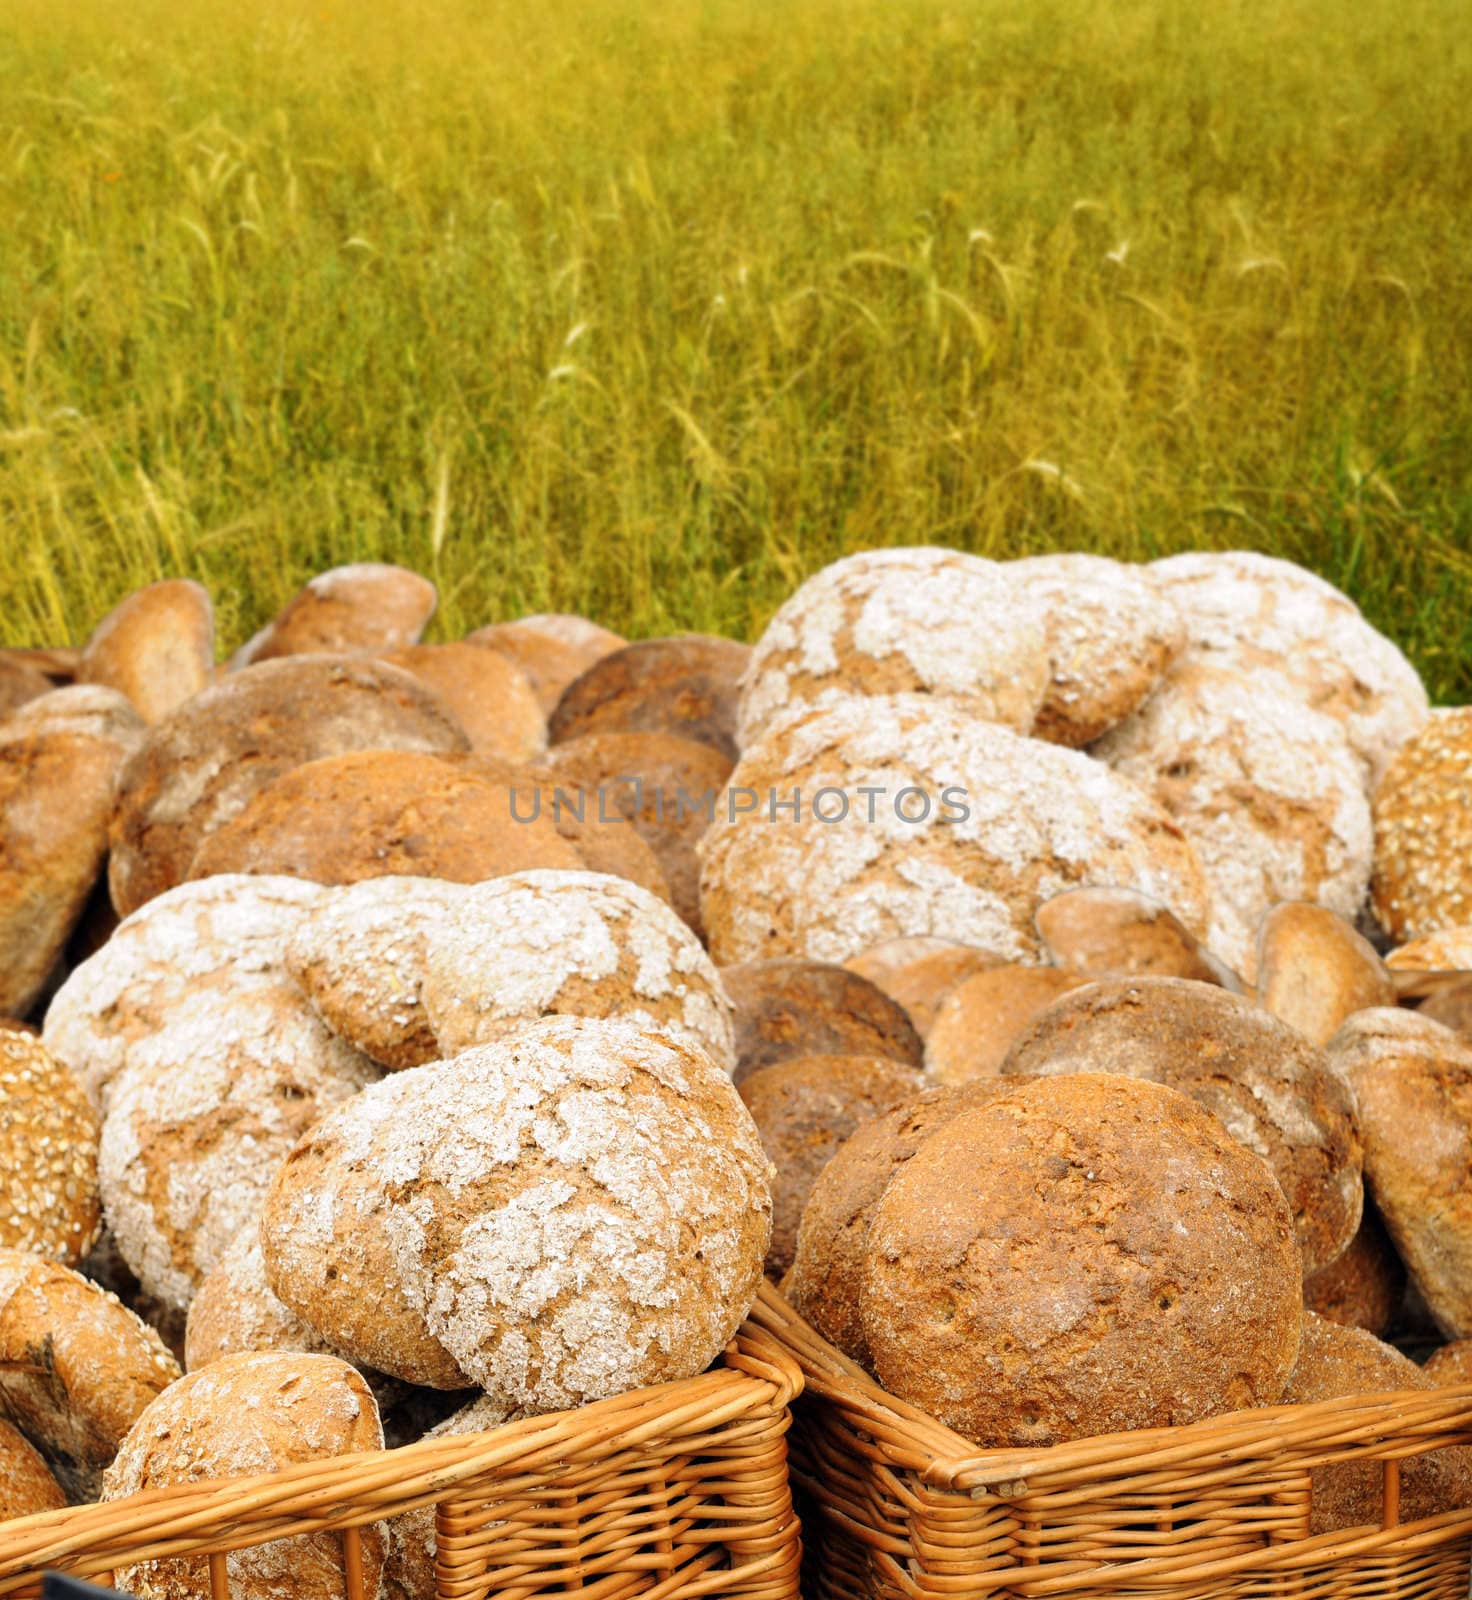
1028, 1279
1111, 633
972, 828
200, 766
326, 1253
537, 944
359, 957
935, 622
490, 695
48, 1152
1335, 1362
217, 936
235, 1309
1364, 1287
981, 1019
1124, 933
828, 1257
26, 1484
239, 1417
363, 608
919, 973
785, 1009
1314, 970
578, 1210
1272, 1091
157, 647
804, 1109
76, 1367
1423, 830
200, 1118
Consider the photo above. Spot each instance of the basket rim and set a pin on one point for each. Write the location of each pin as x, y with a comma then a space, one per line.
911, 1439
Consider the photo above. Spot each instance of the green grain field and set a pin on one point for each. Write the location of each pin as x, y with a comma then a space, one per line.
647, 308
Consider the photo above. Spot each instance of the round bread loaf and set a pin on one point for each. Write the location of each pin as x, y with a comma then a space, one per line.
687, 685
923, 620
785, 1009
1273, 1091
359, 957
199, 1119
538, 944
1111, 633
48, 1153
1245, 611
804, 1109
1450, 1365
359, 609
667, 787
982, 1018
1449, 950
1335, 1362
199, 767
590, 639
236, 1310
547, 662
1314, 970
490, 695
1028, 1278
827, 1275
936, 824
1124, 933
19, 684
324, 1245
216, 936
1364, 1286
239, 1417
1412, 1079
578, 1210
918, 974
58, 758
26, 1484
1451, 1006
372, 813
1266, 789
1423, 830
76, 1367
157, 647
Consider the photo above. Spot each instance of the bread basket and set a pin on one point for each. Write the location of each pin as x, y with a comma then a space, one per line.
667, 1493
896, 1505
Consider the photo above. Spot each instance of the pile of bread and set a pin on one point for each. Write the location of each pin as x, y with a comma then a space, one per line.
1048, 970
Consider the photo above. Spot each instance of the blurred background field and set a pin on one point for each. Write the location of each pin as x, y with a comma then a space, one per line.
647, 308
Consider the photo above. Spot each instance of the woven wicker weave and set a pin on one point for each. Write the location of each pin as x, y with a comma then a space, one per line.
895, 1505
667, 1493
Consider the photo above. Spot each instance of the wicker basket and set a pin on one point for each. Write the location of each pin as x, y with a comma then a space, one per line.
896, 1505
667, 1493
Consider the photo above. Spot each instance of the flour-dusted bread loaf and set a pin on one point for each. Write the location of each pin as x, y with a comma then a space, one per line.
200, 1117
921, 620
968, 829
156, 647
1111, 633
687, 685
490, 695
359, 957
982, 1018
578, 1210
1268, 791
827, 1275
804, 1109
1272, 1090
1086, 1255
1413, 1081
76, 1367
360, 609
236, 1309
1364, 1287
1245, 611
323, 1241
1423, 830
1314, 970
918, 974
200, 766
787, 1008
26, 1483
219, 935
242, 1416
59, 755
1335, 1362
1104, 931
535, 944
49, 1134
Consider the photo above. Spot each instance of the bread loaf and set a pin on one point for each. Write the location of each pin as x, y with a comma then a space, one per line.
490, 695
156, 647
918, 974
26, 1484
236, 1310
365, 607
982, 1018
1364, 1286
1123, 933
1423, 831
1314, 970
